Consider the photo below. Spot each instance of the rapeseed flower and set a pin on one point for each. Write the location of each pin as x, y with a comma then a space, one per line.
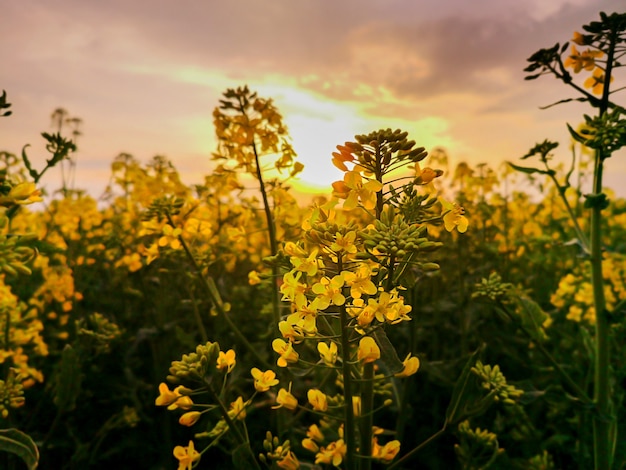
333, 453
286, 399
317, 399
288, 462
328, 353
287, 354
411, 365
263, 380
596, 81
368, 350
582, 60
226, 360
186, 456
454, 217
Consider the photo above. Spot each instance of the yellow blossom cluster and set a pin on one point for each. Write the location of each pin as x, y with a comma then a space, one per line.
588, 60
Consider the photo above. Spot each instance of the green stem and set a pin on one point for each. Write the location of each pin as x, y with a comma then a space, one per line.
580, 393
209, 286
417, 449
367, 415
601, 391
231, 425
271, 225
579, 231
349, 429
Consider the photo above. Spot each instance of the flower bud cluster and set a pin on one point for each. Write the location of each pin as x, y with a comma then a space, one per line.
392, 237
161, 207
11, 393
194, 366
494, 381
15, 254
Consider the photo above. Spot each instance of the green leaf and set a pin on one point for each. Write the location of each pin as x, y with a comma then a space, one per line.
388, 354
532, 318
459, 395
527, 170
18, 443
27, 164
576, 136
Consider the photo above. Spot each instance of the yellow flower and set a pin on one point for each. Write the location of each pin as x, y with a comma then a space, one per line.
344, 155
427, 175
263, 380
329, 291
253, 278
287, 354
166, 396
360, 281
411, 365
578, 38
184, 403
387, 452
291, 288
170, 237
596, 81
226, 360
237, 409
454, 217
332, 454
310, 445
289, 462
21, 193
585, 60
344, 243
368, 350
328, 353
190, 418
286, 399
317, 399
314, 433
309, 264
354, 191
186, 456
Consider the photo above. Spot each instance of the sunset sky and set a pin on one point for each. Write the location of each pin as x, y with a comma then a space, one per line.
144, 76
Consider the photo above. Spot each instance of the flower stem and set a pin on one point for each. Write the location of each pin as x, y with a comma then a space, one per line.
601, 392
349, 428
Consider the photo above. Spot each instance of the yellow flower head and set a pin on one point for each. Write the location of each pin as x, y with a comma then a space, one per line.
454, 217
263, 380
226, 360
166, 396
368, 350
186, 456
288, 462
238, 409
596, 81
355, 191
22, 193
287, 354
317, 399
411, 365
328, 353
387, 452
582, 60
286, 399
190, 418
333, 454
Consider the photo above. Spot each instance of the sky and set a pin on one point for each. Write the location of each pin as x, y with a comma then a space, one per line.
145, 75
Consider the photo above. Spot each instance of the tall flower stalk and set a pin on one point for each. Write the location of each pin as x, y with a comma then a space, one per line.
605, 133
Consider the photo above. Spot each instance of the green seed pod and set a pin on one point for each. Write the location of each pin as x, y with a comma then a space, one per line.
429, 267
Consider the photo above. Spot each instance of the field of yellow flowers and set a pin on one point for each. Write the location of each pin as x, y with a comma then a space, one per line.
415, 316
